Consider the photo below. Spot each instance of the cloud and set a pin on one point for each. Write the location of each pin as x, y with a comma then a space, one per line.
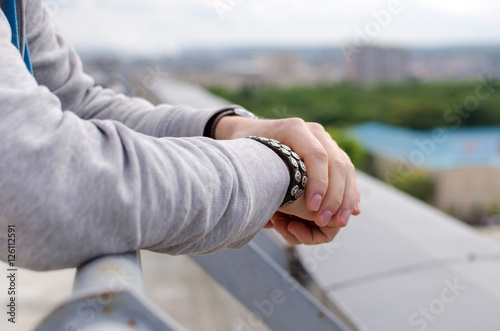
464, 8
147, 26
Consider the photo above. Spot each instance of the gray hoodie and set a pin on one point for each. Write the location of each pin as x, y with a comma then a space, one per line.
85, 171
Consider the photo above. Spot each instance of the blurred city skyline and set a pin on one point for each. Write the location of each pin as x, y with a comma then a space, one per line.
149, 27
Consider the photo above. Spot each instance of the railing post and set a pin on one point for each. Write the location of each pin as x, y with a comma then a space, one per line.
108, 294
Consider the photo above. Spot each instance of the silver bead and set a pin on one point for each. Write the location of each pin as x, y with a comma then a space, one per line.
295, 156
298, 176
294, 190
284, 151
303, 166
299, 193
294, 162
304, 181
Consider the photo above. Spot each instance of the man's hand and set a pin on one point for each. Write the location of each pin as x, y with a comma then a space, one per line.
332, 193
299, 230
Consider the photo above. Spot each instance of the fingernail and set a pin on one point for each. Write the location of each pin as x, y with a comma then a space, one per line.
315, 202
325, 217
344, 217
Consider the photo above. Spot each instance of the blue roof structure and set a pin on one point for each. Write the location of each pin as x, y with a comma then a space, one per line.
436, 149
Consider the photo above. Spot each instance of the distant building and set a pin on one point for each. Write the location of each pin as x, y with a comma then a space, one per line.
369, 64
454, 63
464, 162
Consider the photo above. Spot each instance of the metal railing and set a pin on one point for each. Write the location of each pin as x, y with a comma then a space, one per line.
108, 293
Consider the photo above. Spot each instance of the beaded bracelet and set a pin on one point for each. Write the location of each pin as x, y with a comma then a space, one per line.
297, 168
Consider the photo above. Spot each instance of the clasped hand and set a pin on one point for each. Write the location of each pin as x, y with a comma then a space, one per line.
332, 194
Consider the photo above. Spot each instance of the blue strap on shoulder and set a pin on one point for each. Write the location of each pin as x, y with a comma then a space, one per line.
10, 11
27, 57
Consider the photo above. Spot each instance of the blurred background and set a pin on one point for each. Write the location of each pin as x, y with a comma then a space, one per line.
403, 67
409, 89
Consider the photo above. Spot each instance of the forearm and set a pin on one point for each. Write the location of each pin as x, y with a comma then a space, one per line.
57, 66
176, 196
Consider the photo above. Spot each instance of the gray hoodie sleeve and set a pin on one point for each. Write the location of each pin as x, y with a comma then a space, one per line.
75, 189
57, 66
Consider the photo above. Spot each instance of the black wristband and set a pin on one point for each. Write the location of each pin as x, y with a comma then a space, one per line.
296, 167
228, 111
212, 123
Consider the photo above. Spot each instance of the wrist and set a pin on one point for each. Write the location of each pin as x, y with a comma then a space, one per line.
296, 167
224, 124
232, 127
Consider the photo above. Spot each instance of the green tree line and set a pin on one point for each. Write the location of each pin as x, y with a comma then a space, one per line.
415, 105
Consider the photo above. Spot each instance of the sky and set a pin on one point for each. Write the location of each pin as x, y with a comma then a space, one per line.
167, 26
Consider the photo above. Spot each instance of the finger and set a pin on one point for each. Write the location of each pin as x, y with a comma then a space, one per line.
281, 226
339, 165
309, 234
357, 208
350, 198
315, 157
